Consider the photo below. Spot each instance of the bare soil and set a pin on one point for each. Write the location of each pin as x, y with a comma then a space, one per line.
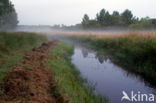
32, 82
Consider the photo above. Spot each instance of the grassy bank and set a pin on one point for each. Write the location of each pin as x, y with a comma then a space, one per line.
70, 84
13, 46
136, 51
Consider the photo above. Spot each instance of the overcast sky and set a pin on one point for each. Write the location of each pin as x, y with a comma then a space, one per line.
49, 12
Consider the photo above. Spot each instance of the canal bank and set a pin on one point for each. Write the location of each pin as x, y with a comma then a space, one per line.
108, 79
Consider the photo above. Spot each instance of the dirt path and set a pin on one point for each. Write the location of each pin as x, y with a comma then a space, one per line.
30, 82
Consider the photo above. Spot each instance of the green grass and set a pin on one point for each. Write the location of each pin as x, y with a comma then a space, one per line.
135, 51
68, 78
15, 41
13, 47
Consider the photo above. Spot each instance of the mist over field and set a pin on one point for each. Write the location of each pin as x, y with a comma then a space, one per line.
77, 51
53, 31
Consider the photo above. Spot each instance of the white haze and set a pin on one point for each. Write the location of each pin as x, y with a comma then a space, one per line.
50, 12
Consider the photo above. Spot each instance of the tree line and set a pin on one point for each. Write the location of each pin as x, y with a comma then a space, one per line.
126, 19
8, 15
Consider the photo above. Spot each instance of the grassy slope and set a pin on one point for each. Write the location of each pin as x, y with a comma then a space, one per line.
68, 78
13, 46
138, 52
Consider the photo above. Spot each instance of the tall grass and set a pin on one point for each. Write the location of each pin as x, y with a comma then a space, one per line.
16, 41
137, 51
13, 46
68, 78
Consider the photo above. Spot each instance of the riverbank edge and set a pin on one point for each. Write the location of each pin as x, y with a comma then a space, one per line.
69, 82
118, 56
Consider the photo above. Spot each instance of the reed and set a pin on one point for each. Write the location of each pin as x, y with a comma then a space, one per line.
135, 50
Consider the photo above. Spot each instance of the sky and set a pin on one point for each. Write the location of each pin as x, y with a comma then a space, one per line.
70, 12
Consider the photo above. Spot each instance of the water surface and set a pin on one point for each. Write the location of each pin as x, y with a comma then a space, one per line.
109, 79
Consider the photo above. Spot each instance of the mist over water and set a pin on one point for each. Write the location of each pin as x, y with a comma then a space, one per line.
49, 30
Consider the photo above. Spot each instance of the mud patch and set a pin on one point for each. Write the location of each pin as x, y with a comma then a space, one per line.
31, 82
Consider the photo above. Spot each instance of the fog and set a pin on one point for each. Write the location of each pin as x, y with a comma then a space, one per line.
49, 30
40, 15
50, 12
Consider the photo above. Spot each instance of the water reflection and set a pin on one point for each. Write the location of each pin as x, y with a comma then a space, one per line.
109, 79
101, 58
84, 52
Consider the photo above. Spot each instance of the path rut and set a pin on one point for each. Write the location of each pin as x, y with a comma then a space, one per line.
31, 82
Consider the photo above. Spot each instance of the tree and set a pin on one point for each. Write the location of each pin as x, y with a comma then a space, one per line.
93, 24
107, 19
8, 15
153, 22
101, 17
85, 21
116, 19
116, 13
144, 23
127, 17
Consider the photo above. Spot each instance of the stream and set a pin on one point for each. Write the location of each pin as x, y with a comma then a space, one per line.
109, 79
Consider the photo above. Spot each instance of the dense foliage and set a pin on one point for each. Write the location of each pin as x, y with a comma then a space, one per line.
126, 19
8, 15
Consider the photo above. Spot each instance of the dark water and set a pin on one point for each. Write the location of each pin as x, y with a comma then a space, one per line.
109, 79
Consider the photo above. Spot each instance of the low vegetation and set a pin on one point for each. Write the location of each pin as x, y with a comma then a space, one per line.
68, 85
68, 78
13, 47
136, 51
